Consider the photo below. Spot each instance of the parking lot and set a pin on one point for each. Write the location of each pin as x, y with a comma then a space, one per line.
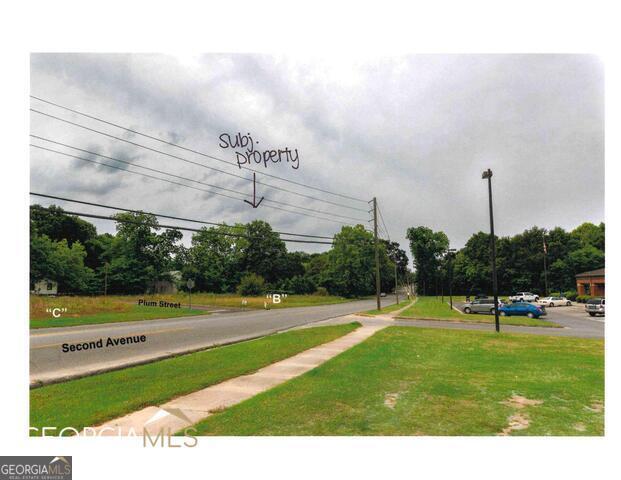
572, 318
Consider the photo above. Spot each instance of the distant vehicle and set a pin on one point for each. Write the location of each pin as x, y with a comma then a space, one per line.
522, 308
524, 297
596, 306
481, 305
554, 301
382, 294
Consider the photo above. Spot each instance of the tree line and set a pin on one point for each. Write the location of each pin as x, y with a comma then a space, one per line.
519, 260
246, 258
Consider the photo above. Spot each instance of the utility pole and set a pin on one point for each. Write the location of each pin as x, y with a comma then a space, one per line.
396, 284
442, 285
106, 280
450, 253
488, 175
545, 265
377, 267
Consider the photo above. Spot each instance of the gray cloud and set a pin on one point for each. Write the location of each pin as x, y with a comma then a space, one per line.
415, 131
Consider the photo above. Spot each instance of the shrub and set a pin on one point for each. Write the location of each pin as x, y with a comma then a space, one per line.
583, 298
571, 295
321, 291
251, 284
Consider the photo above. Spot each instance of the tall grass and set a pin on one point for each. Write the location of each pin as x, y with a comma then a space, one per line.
87, 305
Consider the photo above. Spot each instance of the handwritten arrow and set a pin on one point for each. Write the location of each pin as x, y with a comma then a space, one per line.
254, 193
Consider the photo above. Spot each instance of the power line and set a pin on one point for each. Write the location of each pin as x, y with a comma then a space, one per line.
99, 119
383, 223
71, 200
196, 152
182, 184
192, 180
174, 227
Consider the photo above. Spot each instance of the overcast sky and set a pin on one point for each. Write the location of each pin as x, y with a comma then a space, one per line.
415, 131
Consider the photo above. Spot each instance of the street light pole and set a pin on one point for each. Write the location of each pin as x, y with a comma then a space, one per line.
488, 175
545, 265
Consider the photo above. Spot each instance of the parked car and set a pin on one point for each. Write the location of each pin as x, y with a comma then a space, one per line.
554, 301
524, 297
481, 305
596, 306
522, 308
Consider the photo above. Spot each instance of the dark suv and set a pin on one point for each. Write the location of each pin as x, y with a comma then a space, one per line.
596, 306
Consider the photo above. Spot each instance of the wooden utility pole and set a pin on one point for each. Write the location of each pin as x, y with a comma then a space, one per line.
377, 266
106, 280
396, 283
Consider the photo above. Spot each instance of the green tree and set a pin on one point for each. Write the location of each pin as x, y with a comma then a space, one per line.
398, 256
299, 284
428, 248
350, 267
585, 259
263, 252
214, 260
140, 256
57, 225
520, 259
589, 234
472, 267
60, 262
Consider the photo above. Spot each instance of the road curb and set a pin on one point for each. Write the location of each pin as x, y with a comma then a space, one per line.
96, 371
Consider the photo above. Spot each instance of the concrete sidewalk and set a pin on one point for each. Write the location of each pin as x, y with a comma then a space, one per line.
187, 410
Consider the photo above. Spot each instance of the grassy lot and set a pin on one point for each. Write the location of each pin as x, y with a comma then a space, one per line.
389, 309
93, 400
416, 381
134, 313
99, 309
432, 307
227, 300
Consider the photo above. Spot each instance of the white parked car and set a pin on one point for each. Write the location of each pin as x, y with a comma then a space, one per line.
554, 301
524, 297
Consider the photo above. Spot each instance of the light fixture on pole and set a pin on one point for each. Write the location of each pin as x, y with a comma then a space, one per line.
487, 174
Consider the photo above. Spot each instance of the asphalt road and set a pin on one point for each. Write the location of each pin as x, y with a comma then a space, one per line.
166, 337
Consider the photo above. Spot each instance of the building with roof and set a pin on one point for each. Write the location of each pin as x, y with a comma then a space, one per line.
591, 283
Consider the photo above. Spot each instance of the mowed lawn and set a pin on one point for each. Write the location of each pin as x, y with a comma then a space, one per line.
416, 381
93, 400
99, 309
434, 308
